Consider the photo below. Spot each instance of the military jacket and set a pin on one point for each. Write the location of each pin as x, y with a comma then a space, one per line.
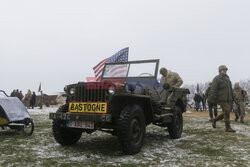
173, 79
221, 89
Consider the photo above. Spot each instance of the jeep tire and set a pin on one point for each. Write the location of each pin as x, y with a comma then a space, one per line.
64, 136
131, 129
176, 126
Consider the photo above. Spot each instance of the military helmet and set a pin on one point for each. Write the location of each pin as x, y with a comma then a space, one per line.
163, 69
222, 67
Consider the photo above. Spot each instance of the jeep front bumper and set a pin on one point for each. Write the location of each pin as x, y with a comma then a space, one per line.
81, 117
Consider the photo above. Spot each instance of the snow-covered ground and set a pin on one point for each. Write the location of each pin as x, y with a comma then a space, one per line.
43, 111
200, 145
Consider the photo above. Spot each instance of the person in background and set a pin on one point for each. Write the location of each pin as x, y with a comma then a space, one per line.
20, 96
204, 100
211, 106
41, 100
27, 99
13, 93
239, 102
197, 100
17, 93
246, 98
33, 100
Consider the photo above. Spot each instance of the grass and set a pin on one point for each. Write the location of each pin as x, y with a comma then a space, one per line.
200, 145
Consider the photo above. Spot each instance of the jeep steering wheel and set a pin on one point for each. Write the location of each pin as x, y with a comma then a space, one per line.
145, 74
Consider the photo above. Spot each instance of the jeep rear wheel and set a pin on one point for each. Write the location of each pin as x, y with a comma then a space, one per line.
64, 136
176, 126
131, 129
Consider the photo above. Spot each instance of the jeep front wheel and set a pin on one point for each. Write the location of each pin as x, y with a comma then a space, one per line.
64, 136
176, 126
131, 129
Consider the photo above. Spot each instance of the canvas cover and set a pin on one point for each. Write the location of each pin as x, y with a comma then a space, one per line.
13, 108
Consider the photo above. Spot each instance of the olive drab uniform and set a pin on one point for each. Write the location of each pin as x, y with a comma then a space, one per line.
239, 103
173, 80
222, 93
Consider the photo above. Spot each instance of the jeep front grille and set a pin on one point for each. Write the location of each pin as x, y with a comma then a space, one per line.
84, 94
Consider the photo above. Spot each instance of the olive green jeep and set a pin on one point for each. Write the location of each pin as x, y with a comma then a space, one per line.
123, 104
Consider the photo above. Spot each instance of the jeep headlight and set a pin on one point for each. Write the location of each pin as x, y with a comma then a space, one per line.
72, 91
111, 91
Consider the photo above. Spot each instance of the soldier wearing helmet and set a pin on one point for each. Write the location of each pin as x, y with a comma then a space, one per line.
239, 102
222, 93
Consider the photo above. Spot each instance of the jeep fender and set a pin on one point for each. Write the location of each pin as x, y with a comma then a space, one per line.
132, 102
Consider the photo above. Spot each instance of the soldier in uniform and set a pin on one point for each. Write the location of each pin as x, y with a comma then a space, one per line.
168, 79
171, 78
27, 99
239, 102
222, 93
211, 106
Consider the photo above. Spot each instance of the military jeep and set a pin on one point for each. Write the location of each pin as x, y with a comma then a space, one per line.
123, 104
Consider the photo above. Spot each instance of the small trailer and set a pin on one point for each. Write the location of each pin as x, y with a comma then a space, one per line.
13, 114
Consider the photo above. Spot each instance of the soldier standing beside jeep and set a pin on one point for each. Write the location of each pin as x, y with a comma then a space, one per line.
222, 93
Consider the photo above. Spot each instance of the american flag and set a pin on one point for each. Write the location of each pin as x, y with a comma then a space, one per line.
121, 56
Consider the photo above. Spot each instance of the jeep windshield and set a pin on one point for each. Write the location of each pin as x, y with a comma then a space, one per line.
131, 69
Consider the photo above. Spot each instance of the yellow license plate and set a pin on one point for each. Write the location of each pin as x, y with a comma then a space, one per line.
88, 107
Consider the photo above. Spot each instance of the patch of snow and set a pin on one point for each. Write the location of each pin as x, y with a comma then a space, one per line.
43, 111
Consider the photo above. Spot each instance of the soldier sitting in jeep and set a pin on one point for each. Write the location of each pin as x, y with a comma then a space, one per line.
170, 79
123, 104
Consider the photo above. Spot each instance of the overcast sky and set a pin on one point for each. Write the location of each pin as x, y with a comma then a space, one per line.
58, 42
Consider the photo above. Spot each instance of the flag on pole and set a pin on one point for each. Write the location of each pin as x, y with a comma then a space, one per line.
40, 88
121, 56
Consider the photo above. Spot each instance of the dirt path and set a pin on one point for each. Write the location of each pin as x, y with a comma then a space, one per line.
194, 113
